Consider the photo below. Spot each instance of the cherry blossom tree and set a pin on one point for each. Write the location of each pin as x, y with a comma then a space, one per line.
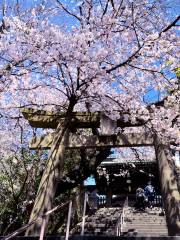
91, 55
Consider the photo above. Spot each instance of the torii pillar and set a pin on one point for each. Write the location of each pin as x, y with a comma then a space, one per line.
169, 187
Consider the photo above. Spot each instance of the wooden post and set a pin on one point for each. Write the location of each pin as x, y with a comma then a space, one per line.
42, 229
169, 187
84, 213
68, 221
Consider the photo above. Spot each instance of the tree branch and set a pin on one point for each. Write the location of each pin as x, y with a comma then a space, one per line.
173, 24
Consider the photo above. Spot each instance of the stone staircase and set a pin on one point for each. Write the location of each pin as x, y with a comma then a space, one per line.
102, 222
149, 223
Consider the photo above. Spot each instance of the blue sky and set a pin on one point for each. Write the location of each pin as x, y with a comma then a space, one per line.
174, 5
90, 181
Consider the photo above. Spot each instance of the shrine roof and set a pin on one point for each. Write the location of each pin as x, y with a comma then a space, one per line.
119, 161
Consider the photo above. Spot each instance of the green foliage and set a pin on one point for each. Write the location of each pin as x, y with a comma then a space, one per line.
177, 71
72, 159
19, 177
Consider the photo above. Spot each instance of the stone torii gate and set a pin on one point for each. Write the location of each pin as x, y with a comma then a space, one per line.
106, 138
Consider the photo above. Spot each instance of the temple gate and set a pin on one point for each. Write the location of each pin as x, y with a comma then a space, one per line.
105, 138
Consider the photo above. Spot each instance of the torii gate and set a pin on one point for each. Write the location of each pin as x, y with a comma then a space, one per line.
107, 138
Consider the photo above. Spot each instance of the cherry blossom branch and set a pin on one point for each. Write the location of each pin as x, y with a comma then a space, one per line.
126, 61
68, 11
105, 9
172, 24
134, 27
140, 47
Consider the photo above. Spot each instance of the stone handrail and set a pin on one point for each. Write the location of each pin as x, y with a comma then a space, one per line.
120, 221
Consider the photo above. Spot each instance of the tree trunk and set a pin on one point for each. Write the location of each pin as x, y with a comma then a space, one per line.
169, 187
52, 174
87, 168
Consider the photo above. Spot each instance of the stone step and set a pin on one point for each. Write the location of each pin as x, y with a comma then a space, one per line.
145, 235
144, 230
103, 222
78, 237
144, 215
138, 233
148, 223
145, 220
152, 225
146, 226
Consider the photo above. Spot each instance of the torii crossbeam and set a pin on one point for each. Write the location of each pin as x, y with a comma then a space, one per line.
50, 119
95, 141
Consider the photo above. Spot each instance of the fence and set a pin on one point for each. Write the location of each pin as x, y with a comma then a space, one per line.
158, 201
101, 201
119, 202
121, 220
